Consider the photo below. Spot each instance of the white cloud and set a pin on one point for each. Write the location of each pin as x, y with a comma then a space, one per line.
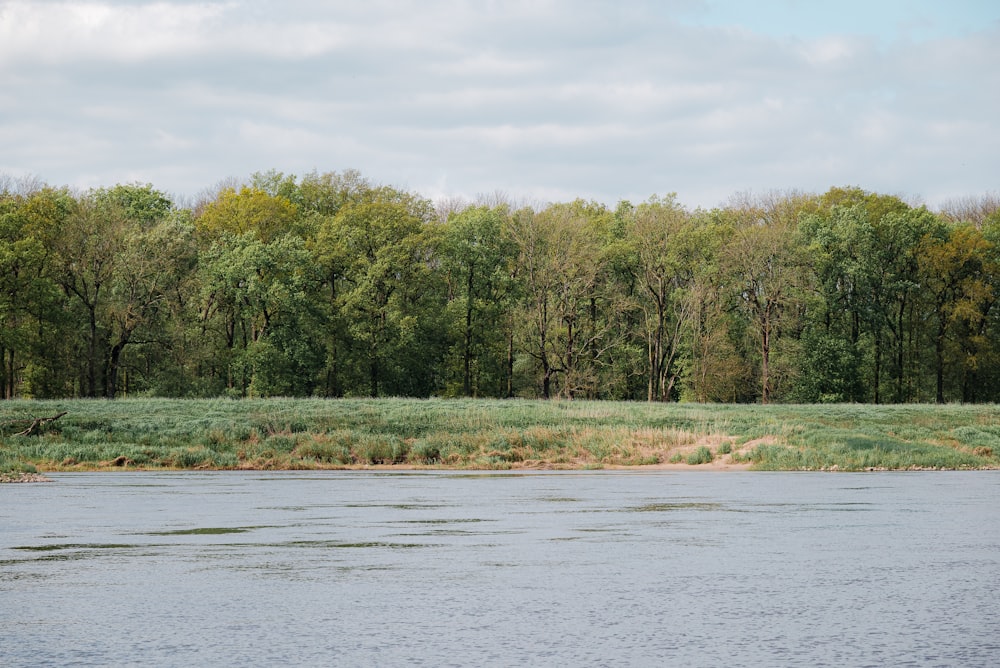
63, 32
168, 142
831, 51
556, 98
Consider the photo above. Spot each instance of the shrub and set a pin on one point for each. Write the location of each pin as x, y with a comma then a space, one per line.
381, 450
280, 442
425, 452
187, 458
700, 456
325, 451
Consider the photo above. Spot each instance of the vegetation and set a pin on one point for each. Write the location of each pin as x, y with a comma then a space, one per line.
491, 434
333, 286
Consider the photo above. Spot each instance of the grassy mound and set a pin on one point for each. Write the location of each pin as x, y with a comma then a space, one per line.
491, 434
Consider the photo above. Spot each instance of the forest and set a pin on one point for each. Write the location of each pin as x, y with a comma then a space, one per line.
332, 285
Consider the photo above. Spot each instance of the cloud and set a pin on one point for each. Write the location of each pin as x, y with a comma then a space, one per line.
556, 98
60, 32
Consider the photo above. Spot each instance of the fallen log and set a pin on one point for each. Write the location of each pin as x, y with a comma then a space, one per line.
34, 429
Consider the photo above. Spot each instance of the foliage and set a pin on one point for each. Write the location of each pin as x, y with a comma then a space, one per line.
475, 433
331, 285
477, 259
700, 456
247, 211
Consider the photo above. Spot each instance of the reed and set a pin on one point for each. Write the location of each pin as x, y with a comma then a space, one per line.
492, 434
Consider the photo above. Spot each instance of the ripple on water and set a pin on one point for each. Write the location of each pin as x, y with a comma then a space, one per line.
205, 531
589, 569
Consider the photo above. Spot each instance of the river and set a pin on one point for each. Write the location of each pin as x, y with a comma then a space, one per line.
603, 568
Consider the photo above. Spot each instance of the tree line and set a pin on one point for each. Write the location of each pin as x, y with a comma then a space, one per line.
332, 285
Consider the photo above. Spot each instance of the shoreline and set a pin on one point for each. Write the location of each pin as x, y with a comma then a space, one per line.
16, 478
715, 466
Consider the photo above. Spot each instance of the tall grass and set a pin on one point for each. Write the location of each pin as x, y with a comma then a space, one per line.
460, 433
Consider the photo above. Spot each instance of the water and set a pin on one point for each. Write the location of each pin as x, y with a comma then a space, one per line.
544, 569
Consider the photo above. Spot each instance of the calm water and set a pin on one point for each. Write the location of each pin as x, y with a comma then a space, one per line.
544, 569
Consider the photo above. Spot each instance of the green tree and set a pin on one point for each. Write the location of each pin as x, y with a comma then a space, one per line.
375, 252
153, 265
850, 304
859, 249
88, 247
898, 239
567, 313
249, 210
669, 249
326, 193
477, 258
30, 304
768, 270
715, 367
140, 203
257, 298
954, 281
117, 264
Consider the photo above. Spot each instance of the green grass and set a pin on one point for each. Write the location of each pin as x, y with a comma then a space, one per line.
490, 434
700, 456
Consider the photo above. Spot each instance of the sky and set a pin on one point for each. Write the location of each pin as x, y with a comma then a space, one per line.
540, 100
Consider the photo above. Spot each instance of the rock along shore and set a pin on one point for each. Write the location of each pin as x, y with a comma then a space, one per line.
23, 477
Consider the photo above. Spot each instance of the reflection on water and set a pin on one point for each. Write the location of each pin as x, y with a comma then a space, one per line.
555, 568
202, 531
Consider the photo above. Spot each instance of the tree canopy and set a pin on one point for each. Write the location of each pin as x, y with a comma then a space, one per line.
333, 285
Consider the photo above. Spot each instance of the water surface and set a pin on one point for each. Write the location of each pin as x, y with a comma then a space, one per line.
569, 568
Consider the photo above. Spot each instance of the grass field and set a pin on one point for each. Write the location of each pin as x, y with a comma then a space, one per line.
490, 434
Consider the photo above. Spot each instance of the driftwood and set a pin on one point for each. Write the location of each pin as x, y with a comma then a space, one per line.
35, 425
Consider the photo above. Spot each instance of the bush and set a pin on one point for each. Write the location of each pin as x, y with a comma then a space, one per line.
325, 451
381, 450
426, 452
280, 442
188, 458
700, 456
10, 463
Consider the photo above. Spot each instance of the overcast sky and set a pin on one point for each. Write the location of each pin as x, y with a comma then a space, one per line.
545, 100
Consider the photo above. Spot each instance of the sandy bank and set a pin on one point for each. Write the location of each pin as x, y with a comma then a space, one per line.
23, 477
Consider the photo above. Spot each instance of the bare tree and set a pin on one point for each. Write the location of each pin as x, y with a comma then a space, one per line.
974, 209
444, 207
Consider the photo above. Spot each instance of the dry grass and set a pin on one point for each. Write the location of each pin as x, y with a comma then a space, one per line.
475, 434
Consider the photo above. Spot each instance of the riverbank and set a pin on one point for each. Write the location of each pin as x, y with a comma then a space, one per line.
23, 477
290, 434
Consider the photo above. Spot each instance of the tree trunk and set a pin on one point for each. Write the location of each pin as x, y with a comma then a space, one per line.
92, 357
878, 365
655, 392
510, 363
35, 427
114, 363
939, 363
543, 350
765, 360
373, 369
593, 391
9, 384
900, 341
467, 343
570, 365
